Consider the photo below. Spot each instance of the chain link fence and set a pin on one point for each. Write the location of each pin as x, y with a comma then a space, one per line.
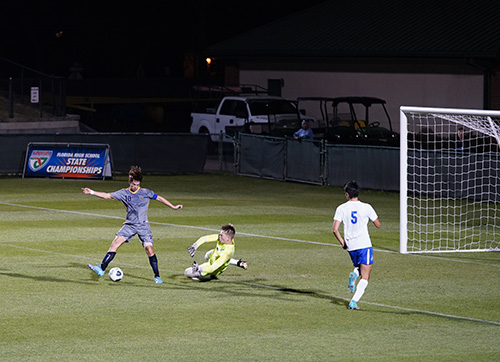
283, 159
316, 162
221, 155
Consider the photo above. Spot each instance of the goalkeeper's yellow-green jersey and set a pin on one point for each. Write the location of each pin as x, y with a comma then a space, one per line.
219, 259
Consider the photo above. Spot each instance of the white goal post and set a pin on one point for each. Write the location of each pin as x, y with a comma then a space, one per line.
449, 180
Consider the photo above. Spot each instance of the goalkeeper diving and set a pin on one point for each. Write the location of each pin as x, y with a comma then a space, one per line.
216, 260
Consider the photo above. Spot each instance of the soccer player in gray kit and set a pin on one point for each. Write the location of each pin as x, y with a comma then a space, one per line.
136, 202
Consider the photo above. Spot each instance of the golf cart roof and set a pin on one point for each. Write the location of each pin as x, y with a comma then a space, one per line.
367, 101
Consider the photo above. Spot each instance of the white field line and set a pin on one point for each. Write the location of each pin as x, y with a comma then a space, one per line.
450, 316
389, 306
244, 234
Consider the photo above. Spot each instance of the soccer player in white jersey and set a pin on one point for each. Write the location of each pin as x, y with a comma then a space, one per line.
136, 202
355, 215
218, 259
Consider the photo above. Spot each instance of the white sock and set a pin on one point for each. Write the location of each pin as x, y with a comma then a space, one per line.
360, 289
356, 271
233, 261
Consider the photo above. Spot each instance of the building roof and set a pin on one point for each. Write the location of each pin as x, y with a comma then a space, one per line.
370, 28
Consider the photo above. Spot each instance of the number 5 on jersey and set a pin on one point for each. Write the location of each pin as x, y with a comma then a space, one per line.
354, 217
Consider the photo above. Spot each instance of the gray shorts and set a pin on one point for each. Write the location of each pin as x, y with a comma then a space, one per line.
142, 230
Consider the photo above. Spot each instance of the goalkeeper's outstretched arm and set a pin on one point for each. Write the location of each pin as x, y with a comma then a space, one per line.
241, 263
207, 238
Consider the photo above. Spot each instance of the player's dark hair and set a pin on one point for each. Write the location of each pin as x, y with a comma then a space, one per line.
352, 189
228, 228
135, 173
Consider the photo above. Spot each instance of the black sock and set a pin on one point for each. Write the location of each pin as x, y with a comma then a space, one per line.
107, 259
154, 264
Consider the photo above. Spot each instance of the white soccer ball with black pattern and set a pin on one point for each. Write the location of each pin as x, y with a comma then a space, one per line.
115, 274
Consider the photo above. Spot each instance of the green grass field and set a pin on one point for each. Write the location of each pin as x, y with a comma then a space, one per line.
290, 305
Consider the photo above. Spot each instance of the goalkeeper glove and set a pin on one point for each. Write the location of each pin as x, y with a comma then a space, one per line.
192, 249
242, 264
196, 269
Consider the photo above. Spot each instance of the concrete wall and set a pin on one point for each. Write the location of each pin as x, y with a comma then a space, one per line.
398, 89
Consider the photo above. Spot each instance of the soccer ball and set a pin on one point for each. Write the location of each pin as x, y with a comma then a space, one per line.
115, 274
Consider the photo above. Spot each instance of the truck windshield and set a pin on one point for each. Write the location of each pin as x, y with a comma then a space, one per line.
267, 107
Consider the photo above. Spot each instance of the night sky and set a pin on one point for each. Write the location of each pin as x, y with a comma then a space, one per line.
113, 39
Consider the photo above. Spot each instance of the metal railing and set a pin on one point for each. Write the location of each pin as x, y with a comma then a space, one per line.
22, 85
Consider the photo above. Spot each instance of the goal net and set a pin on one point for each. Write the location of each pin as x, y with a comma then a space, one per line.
450, 180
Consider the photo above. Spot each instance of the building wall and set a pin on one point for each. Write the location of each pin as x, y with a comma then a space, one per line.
398, 89
495, 88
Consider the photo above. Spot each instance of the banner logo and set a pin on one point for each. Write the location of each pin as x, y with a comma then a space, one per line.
39, 159
68, 161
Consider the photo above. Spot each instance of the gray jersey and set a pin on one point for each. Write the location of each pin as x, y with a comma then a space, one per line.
136, 203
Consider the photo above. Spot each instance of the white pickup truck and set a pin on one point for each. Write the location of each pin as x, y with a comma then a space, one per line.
266, 115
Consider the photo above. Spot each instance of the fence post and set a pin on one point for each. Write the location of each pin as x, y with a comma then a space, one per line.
220, 151
236, 153
285, 158
324, 162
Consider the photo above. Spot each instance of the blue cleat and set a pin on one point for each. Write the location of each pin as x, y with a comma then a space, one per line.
97, 269
158, 280
353, 305
352, 282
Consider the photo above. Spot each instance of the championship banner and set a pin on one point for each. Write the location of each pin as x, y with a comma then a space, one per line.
63, 160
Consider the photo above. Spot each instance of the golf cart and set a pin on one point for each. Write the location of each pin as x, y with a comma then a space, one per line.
351, 120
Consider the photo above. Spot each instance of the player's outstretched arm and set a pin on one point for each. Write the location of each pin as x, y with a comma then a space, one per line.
202, 240
164, 201
102, 195
241, 263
